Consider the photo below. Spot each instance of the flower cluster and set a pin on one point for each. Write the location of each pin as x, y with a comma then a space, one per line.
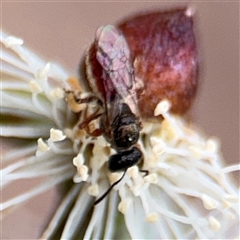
187, 193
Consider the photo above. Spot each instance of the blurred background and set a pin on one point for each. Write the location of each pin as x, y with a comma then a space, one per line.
62, 31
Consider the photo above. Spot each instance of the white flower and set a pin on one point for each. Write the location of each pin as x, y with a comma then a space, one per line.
187, 193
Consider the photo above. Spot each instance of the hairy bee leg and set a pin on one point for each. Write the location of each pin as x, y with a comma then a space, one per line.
87, 120
88, 98
90, 118
85, 125
79, 98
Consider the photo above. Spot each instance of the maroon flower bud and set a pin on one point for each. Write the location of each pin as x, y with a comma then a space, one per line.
163, 49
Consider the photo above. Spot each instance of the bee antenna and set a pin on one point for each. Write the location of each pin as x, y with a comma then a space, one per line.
111, 187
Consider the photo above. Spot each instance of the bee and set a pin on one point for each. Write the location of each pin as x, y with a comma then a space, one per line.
115, 91
130, 69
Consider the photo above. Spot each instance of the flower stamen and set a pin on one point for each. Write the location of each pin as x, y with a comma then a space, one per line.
34, 87
56, 135
43, 72
11, 41
214, 223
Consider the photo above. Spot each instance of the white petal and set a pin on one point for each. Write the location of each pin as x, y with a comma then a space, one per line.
62, 211
16, 201
78, 214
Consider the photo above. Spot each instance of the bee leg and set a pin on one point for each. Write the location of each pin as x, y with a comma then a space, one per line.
80, 97
86, 124
89, 98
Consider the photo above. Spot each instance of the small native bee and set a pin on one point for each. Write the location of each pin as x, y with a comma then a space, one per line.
131, 68
121, 122
115, 92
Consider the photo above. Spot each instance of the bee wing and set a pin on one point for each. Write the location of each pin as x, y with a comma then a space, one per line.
114, 56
